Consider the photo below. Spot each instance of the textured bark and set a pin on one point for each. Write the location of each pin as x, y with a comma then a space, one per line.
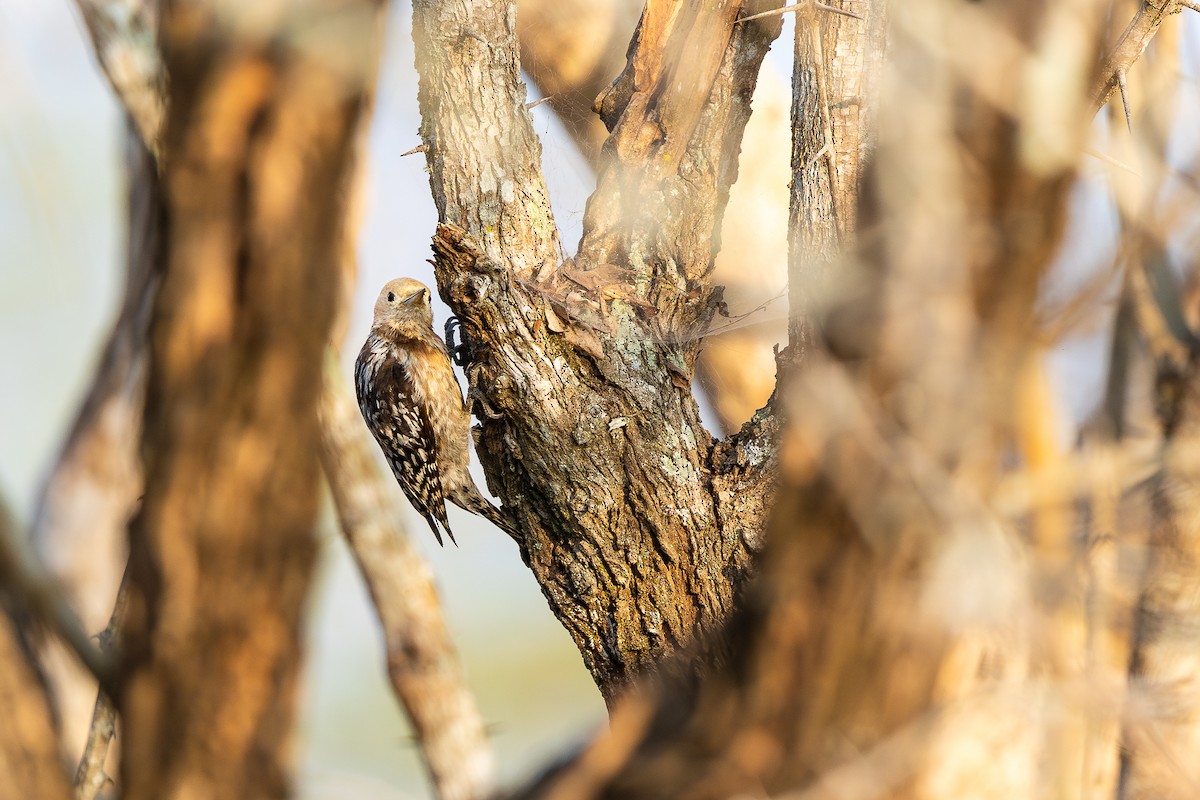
572, 50
422, 662
484, 159
837, 61
637, 528
256, 145
91, 776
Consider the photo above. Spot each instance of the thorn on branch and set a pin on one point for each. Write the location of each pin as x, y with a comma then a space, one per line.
418, 149
775, 12
1124, 87
537, 103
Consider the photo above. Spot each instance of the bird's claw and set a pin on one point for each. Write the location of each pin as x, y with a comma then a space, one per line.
460, 352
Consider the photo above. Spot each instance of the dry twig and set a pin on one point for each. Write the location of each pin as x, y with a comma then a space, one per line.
775, 12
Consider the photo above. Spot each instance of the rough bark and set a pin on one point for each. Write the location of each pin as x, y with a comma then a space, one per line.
837, 60
572, 50
262, 112
637, 528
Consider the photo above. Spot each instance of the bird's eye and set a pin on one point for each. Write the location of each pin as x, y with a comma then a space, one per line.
391, 297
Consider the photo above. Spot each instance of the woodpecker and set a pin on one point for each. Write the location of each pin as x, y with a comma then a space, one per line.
413, 405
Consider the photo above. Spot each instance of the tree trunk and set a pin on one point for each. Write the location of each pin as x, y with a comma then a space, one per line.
637, 526
257, 142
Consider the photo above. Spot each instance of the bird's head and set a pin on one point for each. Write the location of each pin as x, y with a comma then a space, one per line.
404, 304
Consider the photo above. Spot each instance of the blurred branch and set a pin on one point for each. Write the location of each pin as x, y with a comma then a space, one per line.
422, 662
24, 576
123, 33
30, 761
90, 777
92, 491
1162, 724
447, 721
802, 6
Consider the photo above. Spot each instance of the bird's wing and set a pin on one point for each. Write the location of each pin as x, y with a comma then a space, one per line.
401, 426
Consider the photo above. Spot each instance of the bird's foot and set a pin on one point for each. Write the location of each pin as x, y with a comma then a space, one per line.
460, 351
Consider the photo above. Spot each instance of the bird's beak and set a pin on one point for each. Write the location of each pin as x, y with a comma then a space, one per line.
412, 297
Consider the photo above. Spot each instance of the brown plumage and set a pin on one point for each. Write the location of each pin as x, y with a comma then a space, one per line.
413, 405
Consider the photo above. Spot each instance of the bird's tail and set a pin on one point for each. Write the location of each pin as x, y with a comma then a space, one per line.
477, 504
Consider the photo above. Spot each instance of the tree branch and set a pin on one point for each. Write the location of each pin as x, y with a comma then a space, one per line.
572, 49
90, 777
421, 660
484, 158
24, 576
1130, 46
837, 64
123, 34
